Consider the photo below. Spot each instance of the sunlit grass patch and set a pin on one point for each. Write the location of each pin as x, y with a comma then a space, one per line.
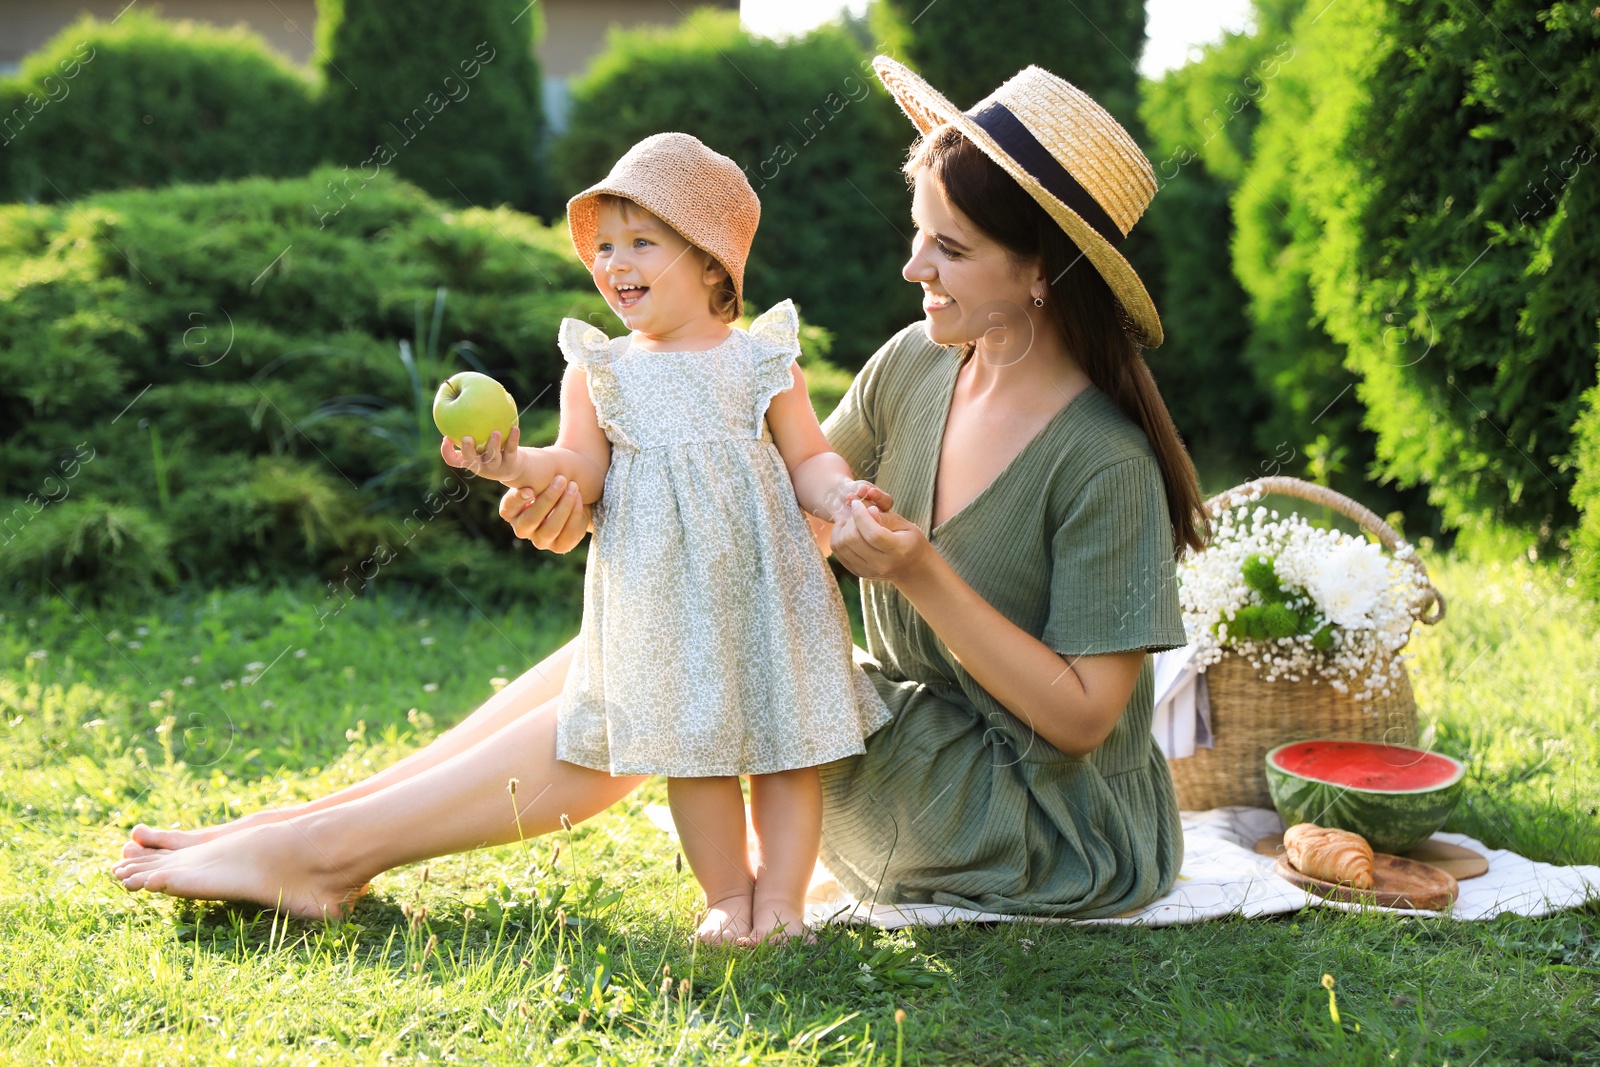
576, 947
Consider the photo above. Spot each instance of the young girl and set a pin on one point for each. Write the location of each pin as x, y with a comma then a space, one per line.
714, 642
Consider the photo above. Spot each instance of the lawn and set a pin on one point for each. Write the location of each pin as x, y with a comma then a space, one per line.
575, 947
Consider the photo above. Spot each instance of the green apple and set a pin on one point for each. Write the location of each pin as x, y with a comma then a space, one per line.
473, 405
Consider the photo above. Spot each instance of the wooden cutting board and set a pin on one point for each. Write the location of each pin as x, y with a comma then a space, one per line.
1457, 861
1397, 882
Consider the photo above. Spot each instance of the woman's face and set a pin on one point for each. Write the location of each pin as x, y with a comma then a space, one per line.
657, 283
971, 286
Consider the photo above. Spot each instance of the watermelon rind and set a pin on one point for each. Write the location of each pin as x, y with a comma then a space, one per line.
1393, 821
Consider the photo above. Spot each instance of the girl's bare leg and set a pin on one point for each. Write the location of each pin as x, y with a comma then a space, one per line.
533, 688
312, 864
709, 816
786, 809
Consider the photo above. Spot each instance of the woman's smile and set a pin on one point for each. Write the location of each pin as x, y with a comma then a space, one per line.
970, 285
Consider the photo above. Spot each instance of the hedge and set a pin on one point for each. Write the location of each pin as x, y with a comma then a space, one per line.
145, 102
1448, 161
448, 94
966, 49
201, 383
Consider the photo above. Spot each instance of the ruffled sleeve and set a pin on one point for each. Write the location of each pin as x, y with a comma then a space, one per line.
776, 334
586, 346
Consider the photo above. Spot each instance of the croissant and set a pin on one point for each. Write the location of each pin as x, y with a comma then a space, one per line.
1331, 855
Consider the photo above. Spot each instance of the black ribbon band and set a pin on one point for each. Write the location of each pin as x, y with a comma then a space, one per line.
1014, 139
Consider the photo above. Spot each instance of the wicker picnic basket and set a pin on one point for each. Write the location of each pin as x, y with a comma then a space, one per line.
1250, 717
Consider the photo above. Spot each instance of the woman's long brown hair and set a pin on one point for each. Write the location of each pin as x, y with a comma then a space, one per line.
1091, 320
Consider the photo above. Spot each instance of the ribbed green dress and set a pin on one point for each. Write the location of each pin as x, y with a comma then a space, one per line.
955, 801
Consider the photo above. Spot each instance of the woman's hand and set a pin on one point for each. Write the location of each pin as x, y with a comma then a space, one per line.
554, 520
872, 543
835, 507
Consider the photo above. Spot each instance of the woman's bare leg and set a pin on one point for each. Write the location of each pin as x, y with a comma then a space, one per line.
527, 693
786, 809
312, 864
709, 816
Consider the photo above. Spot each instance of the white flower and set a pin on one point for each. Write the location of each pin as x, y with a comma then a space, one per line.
431, 687
1348, 583
1327, 577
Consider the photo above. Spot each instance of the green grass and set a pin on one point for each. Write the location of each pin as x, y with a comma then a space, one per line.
575, 947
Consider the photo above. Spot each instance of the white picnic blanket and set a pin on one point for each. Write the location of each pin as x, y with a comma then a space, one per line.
1222, 876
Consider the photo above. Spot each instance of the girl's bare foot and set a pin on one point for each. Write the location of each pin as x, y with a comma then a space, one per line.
277, 866
151, 838
727, 921
777, 922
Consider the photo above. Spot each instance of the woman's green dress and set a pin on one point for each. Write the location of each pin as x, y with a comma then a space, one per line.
955, 801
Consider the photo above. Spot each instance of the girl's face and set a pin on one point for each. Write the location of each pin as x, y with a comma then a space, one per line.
658, 284
972, 289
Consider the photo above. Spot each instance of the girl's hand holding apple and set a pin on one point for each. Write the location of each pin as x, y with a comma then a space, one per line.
500, 460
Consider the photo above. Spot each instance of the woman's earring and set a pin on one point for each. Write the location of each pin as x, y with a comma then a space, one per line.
1038, 301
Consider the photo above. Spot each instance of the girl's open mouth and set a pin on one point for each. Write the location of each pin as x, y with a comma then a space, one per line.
629, 295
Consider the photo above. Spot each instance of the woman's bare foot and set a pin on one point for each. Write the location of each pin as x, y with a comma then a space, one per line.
727, 922
151, 838
277, 866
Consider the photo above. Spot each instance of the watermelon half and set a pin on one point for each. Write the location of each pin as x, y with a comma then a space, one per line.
1393, 796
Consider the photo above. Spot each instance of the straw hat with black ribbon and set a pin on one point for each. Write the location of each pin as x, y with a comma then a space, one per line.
1067, 152
699, 193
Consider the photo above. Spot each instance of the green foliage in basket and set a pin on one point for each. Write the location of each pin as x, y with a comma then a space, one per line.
1274, 619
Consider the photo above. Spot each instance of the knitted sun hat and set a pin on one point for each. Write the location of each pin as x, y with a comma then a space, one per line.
1067, 152
699, 193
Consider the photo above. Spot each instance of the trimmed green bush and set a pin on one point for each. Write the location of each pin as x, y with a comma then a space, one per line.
1318, 423
447, 94
1315, 409
1586, 494
1200, 119
819, 140
967, 49
1449, 161
202, 382
146, 102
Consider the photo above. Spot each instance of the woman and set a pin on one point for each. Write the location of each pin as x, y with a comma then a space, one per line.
1041, 495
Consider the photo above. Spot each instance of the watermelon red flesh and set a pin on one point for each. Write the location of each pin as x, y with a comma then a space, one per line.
1394, 796
1365, 765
